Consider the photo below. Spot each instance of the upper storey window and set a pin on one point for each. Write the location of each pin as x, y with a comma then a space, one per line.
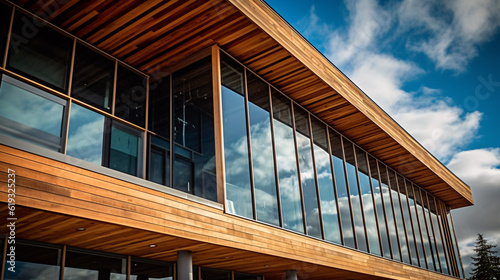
34, 53
5, 13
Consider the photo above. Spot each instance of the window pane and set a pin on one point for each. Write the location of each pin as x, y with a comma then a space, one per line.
379, 204
262, 150
215, 274
307, 173
34, 262
354, 195
29, 114
291, 205
432, 260
93, 77
367, 200
125, 147
389, 211
194, 129
238, 187
398, 217
325, 183
423, 227
159, 163
33, 52
149, 270
342, 194
408, 220
438, 235
5, 13
85, 135
416, 226
159, 107
87, 266
130, 96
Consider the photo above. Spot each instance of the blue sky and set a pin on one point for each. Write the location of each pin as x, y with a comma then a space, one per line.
434, 67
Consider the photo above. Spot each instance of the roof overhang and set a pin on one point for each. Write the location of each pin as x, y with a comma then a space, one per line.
156, 35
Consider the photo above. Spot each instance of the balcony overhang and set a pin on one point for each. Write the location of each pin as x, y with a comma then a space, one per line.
152, 36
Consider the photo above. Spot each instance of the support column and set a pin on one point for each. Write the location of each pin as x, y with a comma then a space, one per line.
291, 274
184, 265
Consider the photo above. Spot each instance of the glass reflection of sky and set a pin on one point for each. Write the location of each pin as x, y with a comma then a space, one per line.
288, 177
85, 135
263, 165
32, 271
238, 190
30, 109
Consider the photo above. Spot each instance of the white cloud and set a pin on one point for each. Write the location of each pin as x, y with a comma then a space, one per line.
480, 169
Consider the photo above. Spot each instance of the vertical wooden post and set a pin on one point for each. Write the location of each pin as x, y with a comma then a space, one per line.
218, 130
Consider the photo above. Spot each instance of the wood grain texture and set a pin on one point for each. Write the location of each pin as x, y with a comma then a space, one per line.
155, 35
54, 198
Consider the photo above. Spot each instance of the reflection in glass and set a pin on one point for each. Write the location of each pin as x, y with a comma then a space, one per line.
159, 161
80, 265
325, 183
29, 114
34, 262
439, 236
389, 211
432, 260
124, 151
193, 118
379, 204
238, 186
131, 94
5, 12
159, 107
93, 76
367, 200
85, 135
405, 254
266, 198
307, 173
423, 227
403, 195
357, 210
39, 57
416, 226
286, 162
150, 270
341, 184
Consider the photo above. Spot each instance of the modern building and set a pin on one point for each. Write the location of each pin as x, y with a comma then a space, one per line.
203, 139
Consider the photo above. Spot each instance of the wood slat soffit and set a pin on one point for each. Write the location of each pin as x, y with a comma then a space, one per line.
155, 35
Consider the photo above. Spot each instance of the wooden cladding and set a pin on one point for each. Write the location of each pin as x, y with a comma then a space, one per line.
53, 199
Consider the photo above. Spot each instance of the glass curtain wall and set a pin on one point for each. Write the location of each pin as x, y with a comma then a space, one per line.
389, 211
380, 209
416, 225
405, 207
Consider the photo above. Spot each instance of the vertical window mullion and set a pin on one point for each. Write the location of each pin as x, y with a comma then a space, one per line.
273, 141
348, 193
403, 216
395, 217
360, 194
375, 213
311, 138
301, 191
384, 208
249, 145
6, 54
335, 186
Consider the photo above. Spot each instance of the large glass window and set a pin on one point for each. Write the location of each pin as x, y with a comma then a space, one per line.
432, 261
91, 265
159, 107
439, 236
159, 160
379, 205
389, 211
403, 194
85, 134
367, 200
307, 173
125, 149
5, 14
341, 184
93, 77
34, 262
39, 52
130, 96
416, 226
30, 114
237, 165
193, 118
326, 188
266, 198
357, 208
425, 236
142, 269
291, 206
398, 215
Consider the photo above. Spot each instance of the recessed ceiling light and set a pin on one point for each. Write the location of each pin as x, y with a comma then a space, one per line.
152, 245
266, 265
81, 229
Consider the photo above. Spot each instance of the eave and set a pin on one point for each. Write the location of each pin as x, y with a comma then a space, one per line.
152, 36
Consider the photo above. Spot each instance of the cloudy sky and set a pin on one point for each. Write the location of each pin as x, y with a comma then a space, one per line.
434, 67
